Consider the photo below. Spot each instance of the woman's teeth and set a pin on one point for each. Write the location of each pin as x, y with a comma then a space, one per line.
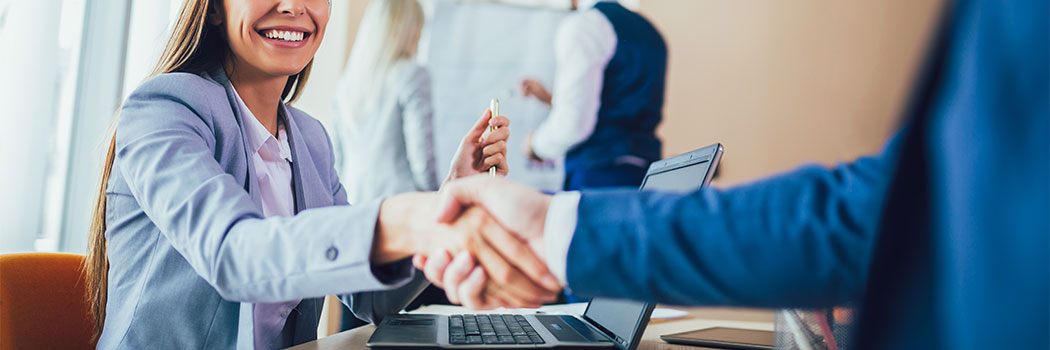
285, 35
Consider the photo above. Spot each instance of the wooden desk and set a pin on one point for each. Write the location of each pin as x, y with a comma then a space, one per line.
698, 318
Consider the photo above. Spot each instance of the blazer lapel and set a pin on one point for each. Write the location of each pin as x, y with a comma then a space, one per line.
303, 166
300, 159
250, 185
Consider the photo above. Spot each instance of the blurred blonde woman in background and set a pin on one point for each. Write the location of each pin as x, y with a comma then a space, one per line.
383, 133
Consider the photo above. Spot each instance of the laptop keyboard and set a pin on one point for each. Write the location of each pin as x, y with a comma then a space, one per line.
491, 329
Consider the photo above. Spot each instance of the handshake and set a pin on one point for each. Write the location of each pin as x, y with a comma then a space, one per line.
484, 245
481, 237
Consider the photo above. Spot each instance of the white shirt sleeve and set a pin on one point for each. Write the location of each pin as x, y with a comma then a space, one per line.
583, 46
558, 230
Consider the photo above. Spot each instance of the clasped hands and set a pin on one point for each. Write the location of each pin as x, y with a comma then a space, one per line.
499, 259
481, 237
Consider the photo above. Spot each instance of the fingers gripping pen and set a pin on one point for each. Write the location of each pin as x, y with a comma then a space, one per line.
494, 107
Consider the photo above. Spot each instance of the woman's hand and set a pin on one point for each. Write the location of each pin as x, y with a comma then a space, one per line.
479, 151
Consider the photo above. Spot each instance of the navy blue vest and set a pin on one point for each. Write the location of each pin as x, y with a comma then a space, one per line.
632, 95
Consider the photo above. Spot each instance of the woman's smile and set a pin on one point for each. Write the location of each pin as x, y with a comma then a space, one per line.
285, 37
274, 38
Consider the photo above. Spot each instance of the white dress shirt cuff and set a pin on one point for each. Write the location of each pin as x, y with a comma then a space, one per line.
548, 147
558, 230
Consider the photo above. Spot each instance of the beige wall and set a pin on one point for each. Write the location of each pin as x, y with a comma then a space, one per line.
781, 83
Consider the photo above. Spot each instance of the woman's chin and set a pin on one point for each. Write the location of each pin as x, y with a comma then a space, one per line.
284, 71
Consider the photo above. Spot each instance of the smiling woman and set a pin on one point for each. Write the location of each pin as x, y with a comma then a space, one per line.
220, 221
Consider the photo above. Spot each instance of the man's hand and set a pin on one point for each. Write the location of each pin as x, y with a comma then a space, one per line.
518, 208
518, 278
478, 151
463, 281
520, 212
531, 87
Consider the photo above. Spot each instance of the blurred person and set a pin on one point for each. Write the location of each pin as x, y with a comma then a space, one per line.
383, 137
942, 239
220, 221
383, 133
610, 67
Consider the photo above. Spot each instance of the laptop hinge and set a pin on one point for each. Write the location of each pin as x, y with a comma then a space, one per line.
608, 334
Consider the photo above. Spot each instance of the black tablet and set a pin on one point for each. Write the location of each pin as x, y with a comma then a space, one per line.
725, 338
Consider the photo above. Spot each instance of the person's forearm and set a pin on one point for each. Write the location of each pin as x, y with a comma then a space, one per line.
267, 260
806, 234
560, 133
582, 49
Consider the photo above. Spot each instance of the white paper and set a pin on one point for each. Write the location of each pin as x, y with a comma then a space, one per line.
477, 51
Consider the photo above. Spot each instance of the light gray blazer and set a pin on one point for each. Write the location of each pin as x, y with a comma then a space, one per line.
391, 150
189, 249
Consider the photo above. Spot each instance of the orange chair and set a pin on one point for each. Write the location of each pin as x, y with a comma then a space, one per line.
42, 302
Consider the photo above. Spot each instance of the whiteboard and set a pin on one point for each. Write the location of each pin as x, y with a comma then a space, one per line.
477, 51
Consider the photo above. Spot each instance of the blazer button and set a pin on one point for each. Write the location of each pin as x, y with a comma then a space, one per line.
332, 253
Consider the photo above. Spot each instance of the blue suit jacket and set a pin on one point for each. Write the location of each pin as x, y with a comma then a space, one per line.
942, 238
189, 249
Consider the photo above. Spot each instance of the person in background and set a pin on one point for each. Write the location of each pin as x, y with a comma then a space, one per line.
383, 135
943, 238
610, 67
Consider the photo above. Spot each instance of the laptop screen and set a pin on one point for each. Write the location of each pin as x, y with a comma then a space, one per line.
619, 317
683, 173
685, 179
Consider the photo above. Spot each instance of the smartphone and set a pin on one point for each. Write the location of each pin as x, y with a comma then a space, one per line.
725, 338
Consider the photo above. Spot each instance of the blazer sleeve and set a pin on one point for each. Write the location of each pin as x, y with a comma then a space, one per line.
372, 306
800, 239
418, 129
166, 151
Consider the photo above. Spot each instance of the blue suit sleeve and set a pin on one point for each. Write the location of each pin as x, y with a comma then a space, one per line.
799, 239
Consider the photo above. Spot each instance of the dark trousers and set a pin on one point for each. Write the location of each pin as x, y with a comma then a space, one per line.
615, 175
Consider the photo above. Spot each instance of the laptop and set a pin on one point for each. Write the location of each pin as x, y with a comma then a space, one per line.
605, 324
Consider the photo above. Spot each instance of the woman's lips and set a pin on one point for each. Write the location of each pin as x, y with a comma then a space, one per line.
285, 38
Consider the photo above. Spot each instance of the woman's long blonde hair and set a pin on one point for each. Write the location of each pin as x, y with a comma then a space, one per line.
194, 46
388, 34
